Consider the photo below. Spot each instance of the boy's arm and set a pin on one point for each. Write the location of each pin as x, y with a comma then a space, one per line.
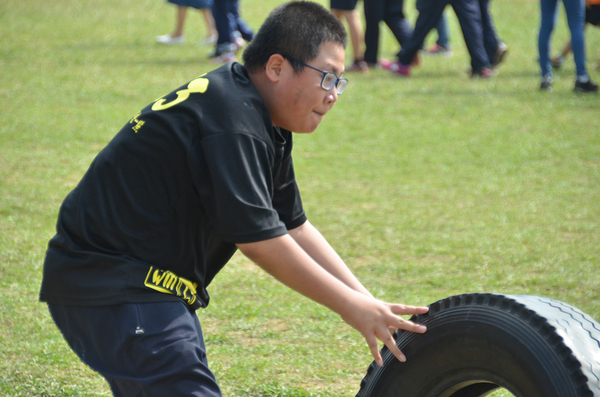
315, 245
285, 260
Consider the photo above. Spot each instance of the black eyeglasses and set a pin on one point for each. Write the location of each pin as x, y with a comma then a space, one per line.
329, 79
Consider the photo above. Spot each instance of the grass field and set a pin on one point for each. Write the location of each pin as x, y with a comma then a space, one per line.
428, 187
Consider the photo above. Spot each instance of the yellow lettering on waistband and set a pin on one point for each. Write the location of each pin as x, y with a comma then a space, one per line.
168, 282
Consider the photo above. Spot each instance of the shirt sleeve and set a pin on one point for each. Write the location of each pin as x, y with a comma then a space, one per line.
287, 200
236, 184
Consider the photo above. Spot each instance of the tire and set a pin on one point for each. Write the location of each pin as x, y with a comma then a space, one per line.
476, 343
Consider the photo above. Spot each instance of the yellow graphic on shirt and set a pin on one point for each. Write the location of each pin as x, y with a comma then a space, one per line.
198, 85
138, 123
169, 283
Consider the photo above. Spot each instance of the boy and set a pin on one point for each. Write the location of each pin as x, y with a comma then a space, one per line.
196, 175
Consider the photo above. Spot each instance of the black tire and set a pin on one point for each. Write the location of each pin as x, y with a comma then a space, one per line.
476, 343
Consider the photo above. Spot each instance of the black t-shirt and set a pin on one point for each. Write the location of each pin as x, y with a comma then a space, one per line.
159, 211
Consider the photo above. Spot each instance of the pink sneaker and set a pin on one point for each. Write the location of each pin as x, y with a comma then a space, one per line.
395, 67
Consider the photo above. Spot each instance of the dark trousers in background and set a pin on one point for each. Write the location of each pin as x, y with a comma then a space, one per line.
469, 17
227, 21
490, 38
392, 13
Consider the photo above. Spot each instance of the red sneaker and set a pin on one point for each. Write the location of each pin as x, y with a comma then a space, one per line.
395, 67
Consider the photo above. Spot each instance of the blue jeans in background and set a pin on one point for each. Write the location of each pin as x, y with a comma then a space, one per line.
575, 10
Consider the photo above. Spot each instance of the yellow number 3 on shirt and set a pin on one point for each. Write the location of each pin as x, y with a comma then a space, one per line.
195, 86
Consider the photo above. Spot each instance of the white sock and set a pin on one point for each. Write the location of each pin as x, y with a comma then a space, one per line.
584, 78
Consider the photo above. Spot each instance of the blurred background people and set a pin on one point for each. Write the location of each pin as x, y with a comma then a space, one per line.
392, 13
442, 44
592, 17
346, 9
575, 10
178, 36
430, 12
495, 48
233, 31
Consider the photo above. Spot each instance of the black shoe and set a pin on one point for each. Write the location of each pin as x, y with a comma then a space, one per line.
546, 84
588, 86
557, 62
222, 49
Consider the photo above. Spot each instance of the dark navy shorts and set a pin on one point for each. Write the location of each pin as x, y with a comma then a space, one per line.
347, 5
592, 15
146, 349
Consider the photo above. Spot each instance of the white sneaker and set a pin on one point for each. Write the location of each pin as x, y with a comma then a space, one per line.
224, 58
210, 40
168, 39
238, 40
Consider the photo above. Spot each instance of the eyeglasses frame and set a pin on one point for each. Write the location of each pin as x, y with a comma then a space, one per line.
325, 73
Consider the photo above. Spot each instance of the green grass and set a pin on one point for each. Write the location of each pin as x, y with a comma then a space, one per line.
428, 187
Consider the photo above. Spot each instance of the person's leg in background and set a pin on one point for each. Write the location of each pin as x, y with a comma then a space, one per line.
575, 10
211, 29
443, 40
494, 47
430, 12
226, 46
390, 11
347, 10
238, 24
223, 28
373, 16
442, 45
357, 37
181, 10
177, 37
469, 17
548, 10
394, 18
592, 17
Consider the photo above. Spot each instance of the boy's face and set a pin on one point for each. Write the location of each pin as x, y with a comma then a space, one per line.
303, 102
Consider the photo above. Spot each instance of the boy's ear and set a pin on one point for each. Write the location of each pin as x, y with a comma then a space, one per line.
274, 67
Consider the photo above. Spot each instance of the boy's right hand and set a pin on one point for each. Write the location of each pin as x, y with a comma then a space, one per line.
374, 319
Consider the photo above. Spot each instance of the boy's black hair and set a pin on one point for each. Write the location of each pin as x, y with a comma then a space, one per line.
296, 30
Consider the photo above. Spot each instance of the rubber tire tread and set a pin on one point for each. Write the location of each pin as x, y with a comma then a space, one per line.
573, 337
